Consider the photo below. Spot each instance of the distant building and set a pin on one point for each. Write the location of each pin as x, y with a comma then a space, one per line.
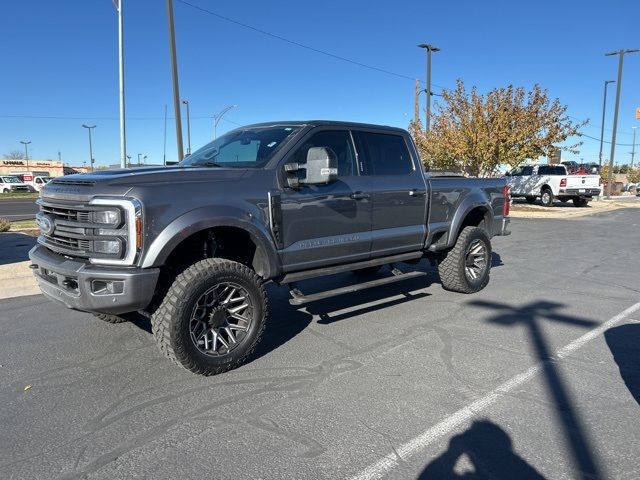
45, 168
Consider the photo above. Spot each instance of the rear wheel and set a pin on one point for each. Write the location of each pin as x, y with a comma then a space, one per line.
466, 267
212, 316
530, 199
547, 197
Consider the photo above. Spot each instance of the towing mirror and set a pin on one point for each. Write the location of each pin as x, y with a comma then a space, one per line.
321, 166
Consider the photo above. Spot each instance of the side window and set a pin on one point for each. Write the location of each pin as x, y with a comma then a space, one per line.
527, 171
516, 172
337, 140
385, 154
543, 170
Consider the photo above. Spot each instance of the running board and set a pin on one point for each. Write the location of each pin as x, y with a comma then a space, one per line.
300, 299
348, 267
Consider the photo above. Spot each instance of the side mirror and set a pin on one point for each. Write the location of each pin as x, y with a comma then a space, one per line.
321, 168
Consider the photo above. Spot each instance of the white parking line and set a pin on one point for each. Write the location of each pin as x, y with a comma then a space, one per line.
449, 424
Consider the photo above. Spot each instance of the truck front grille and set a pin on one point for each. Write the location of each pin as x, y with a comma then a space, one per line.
73, 232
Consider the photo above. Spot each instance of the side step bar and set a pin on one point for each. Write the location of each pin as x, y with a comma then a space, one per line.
300, 299
321, 272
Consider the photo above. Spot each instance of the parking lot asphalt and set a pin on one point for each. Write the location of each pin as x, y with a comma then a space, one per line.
536, 376
18, 209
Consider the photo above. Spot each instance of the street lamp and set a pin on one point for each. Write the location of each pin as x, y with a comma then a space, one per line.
604, 105
26, 151
429, 48
89, 127
174, 77
129, 161
139, 155
216, 118
633, 148
620, 54
186, 102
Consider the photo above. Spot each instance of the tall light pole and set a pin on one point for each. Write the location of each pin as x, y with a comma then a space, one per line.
174, 75
129, 161
89, 127
186, 102
620, 54
139, 155
429, 48
26, 151
123, 140
633, 148
216, 118
604, 106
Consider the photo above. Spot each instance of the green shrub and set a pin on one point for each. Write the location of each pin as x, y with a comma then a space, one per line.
5, 225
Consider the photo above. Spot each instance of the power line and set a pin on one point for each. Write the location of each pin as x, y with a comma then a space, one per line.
301, 45
595, 138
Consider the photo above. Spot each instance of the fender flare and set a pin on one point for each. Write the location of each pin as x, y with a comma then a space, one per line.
468, 204
209, 217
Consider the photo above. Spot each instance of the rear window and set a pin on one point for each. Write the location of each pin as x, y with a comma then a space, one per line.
385, 154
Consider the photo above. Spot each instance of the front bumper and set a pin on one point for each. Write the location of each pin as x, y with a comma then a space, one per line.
78, 285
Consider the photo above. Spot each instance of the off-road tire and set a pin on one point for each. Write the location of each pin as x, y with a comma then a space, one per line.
170, 322
580, 202
530, 199
105, 317
452, 266
546, 197
368, 271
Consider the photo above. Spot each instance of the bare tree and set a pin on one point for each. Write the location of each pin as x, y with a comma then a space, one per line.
14, 155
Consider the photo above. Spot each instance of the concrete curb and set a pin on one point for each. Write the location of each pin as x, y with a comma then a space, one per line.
17, 280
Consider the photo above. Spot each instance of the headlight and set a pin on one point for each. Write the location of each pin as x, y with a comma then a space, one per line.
107, 217
111, 247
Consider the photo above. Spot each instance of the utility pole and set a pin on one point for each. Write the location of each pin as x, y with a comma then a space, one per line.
123, 139
186, 102
89, 127
633, 148
620, 54
429, 48
174, 75
139, 155
216, 118
164, 148
604, 106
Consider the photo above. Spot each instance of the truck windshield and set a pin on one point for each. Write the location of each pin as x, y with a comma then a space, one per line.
244, 148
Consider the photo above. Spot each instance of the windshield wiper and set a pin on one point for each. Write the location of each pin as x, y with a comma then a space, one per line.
208, 164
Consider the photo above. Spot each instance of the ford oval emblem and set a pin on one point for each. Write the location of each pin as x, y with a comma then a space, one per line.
45, 224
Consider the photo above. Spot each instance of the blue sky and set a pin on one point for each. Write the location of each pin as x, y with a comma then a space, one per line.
60, 62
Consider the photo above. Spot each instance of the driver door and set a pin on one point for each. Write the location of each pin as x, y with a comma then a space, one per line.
326, 224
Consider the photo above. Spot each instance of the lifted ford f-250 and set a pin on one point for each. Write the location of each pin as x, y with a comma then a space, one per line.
193, 245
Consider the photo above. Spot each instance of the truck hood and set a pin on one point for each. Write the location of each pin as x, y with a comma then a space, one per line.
80, 187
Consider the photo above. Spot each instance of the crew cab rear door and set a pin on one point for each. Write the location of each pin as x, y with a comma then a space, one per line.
326, 224
398, 192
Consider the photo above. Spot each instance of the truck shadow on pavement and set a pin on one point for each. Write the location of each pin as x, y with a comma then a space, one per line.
531, 317
624, 343
483, 451
14, 247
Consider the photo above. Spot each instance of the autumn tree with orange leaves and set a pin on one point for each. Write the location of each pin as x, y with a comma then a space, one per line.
476, 133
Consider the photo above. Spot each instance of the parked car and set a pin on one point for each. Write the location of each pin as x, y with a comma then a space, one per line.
11, 183
550, 182
193, 245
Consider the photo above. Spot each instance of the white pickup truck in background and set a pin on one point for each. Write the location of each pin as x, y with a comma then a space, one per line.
551, 182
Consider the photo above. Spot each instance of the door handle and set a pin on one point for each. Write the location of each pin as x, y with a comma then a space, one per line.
417, 193
359, 195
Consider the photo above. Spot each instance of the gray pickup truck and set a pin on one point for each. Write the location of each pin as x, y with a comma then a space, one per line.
193, 245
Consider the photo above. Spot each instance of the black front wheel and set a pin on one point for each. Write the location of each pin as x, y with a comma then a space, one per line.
466, 267
212, 317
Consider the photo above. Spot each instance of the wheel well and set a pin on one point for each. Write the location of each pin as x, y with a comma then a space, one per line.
545, 187
475, 218
231, 243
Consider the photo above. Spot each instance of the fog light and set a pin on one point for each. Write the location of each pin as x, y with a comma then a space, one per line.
106, 246
108, 217
107, 287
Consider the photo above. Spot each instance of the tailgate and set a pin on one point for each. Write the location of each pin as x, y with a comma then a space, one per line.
583, 181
